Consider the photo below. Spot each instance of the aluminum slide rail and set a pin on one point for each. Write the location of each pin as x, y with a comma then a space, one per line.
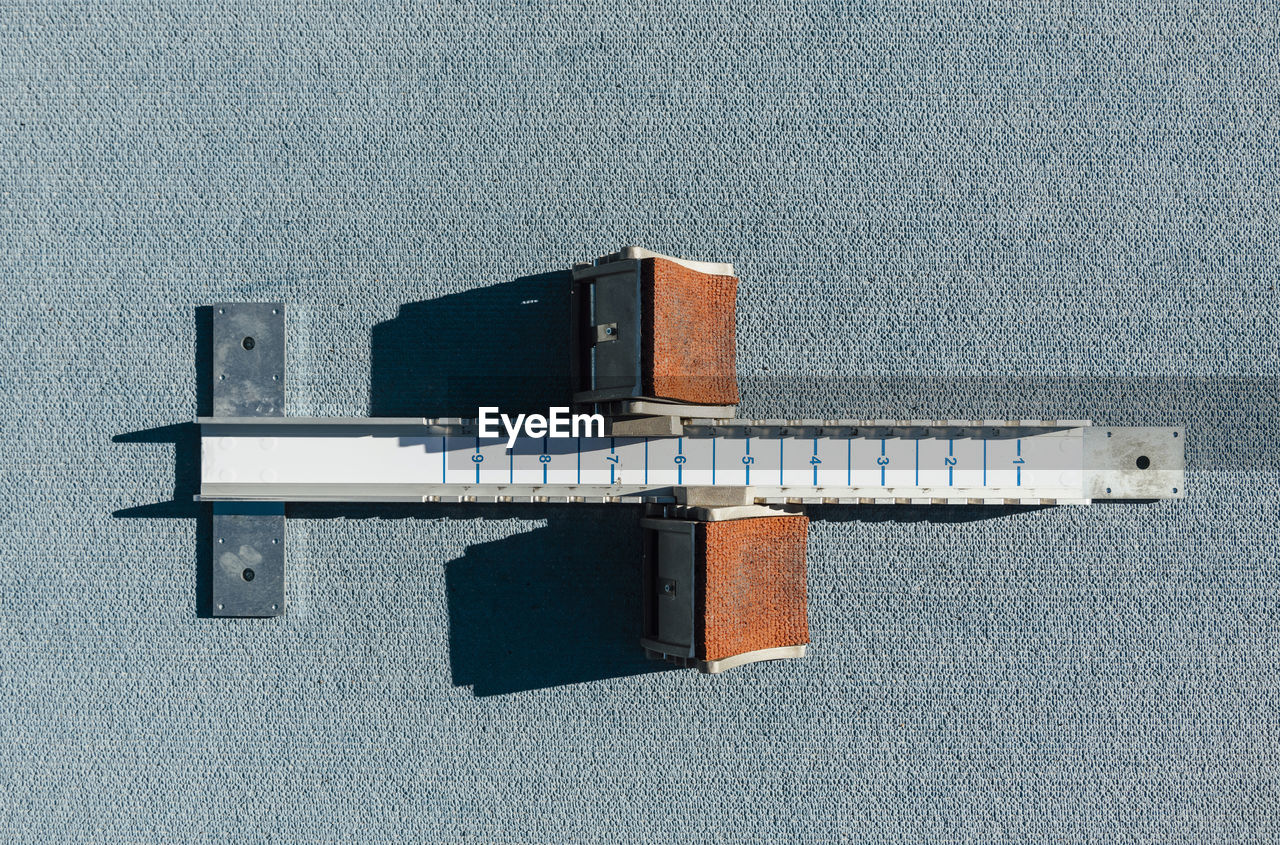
796, 462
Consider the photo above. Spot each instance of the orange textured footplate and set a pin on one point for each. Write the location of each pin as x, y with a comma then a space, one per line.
753, 586
688, 348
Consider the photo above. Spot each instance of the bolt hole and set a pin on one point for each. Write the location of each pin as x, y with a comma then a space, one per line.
1108, 489
247, 343
1175, 434
274, 541
248, 574
1175, 489
1108, 434
1143, 462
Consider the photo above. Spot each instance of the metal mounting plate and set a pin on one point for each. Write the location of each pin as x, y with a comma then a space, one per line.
248, 559
248, 359
247, 577
1123, 462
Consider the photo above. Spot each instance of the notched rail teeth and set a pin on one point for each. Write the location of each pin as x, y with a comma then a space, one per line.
770, 427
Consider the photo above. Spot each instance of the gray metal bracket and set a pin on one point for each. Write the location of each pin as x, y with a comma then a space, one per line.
248, 538
248, 359
248, 559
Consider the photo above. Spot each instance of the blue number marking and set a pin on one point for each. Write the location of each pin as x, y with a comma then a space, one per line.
815, 460
748, 460
1019, 460
883, 462
545, 459
680, 459
951, 462
613, 460
713, 462
478, 458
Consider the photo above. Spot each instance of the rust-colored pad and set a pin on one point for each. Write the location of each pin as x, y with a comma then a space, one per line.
753, 586
688, 349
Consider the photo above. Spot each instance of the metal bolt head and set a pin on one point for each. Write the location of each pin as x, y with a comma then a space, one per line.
248, 343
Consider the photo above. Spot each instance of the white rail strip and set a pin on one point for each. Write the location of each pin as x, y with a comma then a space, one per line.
353, 460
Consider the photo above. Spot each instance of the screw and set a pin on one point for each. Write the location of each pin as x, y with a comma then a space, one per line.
220, 607
610, 330
247, 343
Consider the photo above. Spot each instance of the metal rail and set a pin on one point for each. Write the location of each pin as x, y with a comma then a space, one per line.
761, 461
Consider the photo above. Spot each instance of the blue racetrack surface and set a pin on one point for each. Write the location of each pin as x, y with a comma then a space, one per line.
1044, 210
